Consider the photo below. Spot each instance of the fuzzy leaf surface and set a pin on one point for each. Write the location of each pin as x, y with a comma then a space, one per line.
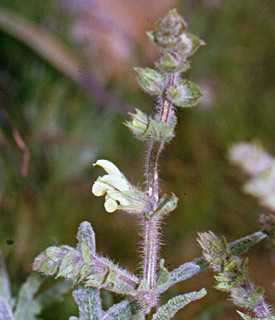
125, 310
184, 94
86, 234
89, 303
189, 269
183, 272
27, 307
82, 264
151, 81
146, 128
5, 310
168, 310
4, 281
243, 244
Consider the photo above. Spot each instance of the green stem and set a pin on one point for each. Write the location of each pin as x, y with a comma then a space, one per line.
151, 226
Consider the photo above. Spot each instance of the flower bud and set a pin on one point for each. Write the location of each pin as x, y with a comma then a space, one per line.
171, 35
168, 30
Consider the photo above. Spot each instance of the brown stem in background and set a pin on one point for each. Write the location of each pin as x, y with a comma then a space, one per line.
58, 56
18, 140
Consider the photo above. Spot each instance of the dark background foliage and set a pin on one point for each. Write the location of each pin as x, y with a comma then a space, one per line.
66, 128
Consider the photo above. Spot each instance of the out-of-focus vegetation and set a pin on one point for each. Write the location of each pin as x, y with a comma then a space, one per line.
66, 126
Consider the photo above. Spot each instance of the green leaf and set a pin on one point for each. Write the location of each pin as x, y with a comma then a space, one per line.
168, 310
4, 281
166, 205
146, 128
243, 244
189, 269
164, 275
151, 81
5, 310
27, 307
184, 94
86, 235
89, 303
172, 62
125, 310
183, 272
81, 264
190, 44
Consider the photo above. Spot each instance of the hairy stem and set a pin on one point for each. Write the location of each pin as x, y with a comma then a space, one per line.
151, 226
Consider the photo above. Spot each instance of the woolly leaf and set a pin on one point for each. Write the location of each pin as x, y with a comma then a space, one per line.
164, 275
125, 310
183, 272
165, 205
189, 269
86, 241
190, 44
172, 62
4, 281
150, 80
184, 94
243, 244
27, 307
89, 303
146, 128
74, 266
5, 310
168, 310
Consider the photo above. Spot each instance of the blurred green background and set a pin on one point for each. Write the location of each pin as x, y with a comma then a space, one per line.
69, 113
